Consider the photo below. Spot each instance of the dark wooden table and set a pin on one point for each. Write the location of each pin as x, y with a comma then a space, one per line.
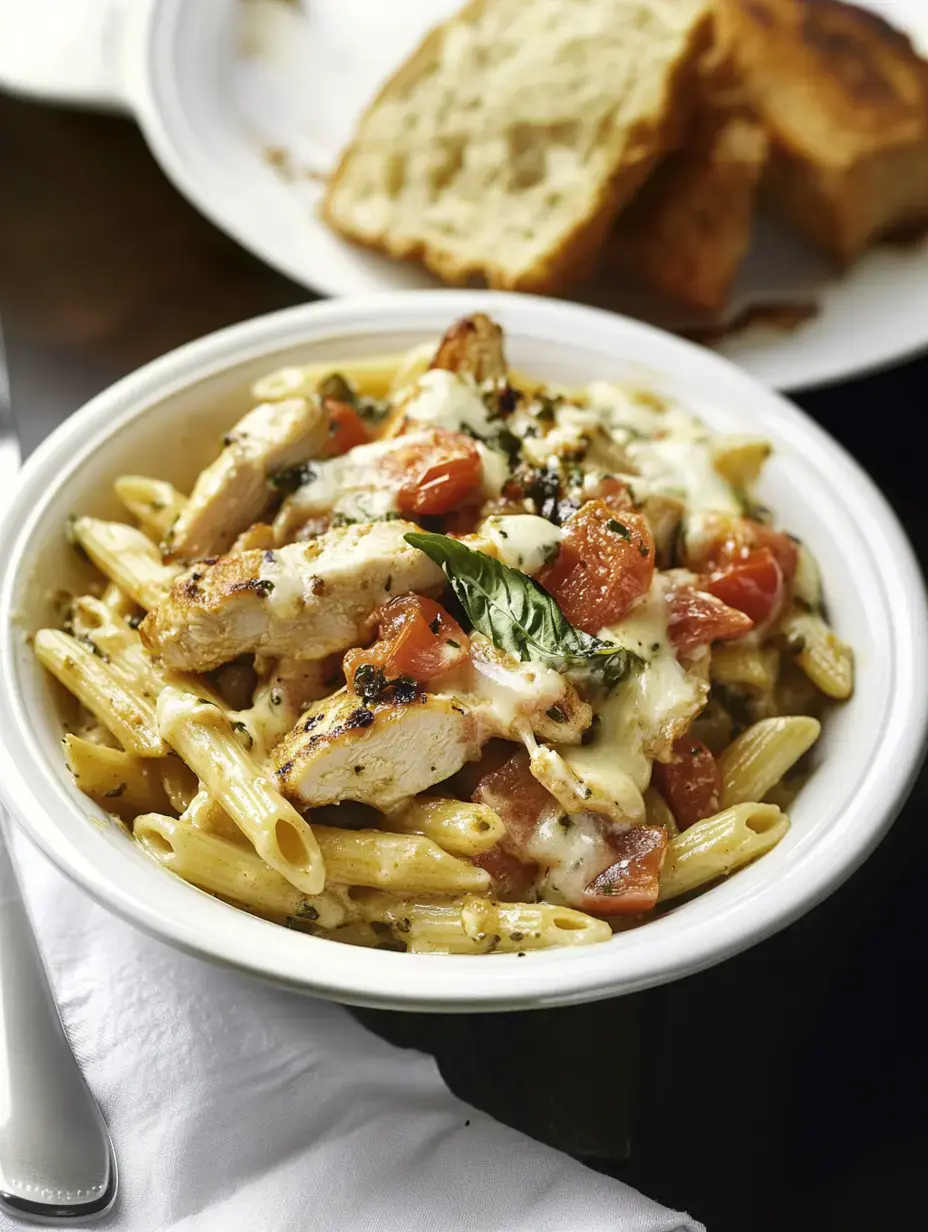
786, 1089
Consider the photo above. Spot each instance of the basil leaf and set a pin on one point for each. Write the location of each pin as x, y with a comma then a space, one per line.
517, 614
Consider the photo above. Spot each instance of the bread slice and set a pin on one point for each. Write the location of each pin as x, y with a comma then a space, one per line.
687, 230
845, 99
504, 147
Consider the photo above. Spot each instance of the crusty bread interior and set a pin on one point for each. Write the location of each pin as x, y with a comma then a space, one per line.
505, 146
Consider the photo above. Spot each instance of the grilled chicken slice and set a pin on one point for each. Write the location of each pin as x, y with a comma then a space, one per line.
303, 601
473, 347
377, 754
235, 490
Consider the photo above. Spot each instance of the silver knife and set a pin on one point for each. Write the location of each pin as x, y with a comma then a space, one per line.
56, 1160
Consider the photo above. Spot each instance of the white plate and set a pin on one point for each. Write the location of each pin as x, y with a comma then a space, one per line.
166, 418
217, 85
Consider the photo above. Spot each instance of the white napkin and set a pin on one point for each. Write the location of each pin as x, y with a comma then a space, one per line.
235, 1107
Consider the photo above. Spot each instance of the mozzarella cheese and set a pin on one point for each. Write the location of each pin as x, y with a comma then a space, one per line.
522, 541
443, 399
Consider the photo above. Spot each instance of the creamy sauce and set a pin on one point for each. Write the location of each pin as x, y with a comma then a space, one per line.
523, 541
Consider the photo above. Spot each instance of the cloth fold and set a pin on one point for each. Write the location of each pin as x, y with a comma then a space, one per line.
237, 1107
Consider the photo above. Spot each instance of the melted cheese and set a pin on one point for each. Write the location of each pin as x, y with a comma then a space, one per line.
522, 541
445, 400
671, 451
495, 470
571, 849
642, 712
501, 690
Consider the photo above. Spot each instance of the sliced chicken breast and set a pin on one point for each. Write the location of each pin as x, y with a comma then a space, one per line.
303, 601
378, 754
236, 490
473, 346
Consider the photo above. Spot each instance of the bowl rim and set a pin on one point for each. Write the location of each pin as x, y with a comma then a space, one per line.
378, 978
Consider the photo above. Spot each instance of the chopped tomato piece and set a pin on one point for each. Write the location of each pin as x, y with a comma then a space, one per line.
417, 638
753, 585
346, 428
616, 493
631, 884
695, 618
511, 879
513, 792
691, 784
733, 539
461, 521
435, 471
606, 562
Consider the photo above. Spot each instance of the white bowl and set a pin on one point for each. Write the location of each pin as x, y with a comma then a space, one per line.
166, 419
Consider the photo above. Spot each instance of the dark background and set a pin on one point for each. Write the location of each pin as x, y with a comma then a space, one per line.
785, 1089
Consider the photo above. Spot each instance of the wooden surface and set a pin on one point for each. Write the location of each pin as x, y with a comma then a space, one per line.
786, 1089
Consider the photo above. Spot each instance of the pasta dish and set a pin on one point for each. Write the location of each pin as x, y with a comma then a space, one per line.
437, 658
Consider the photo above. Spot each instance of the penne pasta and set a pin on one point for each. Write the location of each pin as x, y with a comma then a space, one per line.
154, 503
658, 811
98, 627
718, 845
181, 785
408, 863
462, 829
127, 557
370, 377
220, 867
118, 601
753, 669
825, 659
118, 781
474, 925
203, 736
97, 686
740, 459
208, 815
760, 756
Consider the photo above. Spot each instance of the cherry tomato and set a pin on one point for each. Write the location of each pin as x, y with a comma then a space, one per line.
417, 638
606, 562
753, 585
631, 883
695, 618
436, 474
732, 539
346, 428
691, 784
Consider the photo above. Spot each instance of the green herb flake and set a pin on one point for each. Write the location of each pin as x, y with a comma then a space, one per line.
435, 626
556, 714
618, 528
243, 730
117, 791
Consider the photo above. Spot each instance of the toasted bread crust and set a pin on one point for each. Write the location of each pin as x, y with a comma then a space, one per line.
686, 232
573, 257
845, 98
